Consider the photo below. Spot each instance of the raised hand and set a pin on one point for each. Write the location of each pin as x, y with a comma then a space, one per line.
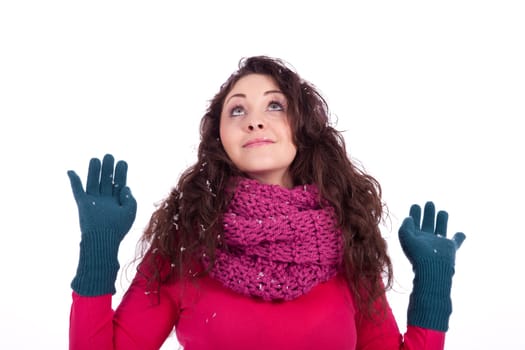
106, 204
433, 257
106, 212
423, 241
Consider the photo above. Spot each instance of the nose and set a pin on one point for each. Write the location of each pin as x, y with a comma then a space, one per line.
254, 126
254, 121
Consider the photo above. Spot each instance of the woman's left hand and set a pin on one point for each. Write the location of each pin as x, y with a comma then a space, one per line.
426, 241
433, 257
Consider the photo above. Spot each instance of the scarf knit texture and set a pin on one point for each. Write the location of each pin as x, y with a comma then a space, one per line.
278, 243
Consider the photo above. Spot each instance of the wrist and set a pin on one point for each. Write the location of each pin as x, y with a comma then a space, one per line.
430, 305
98, 264
433, 276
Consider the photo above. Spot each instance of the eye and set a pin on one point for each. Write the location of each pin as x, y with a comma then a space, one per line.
275, 106
237, 111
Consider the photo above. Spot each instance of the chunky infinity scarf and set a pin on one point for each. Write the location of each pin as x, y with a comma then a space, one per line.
278, 243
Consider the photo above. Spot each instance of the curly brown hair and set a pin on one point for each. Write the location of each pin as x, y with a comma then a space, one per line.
188, 222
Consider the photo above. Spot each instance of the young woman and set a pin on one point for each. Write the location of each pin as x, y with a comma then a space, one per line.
270, 241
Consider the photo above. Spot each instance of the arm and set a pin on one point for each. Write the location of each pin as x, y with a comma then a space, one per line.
106, 213
380, 332
141, 321
432, 256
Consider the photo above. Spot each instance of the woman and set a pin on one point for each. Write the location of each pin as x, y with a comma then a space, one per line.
270, 241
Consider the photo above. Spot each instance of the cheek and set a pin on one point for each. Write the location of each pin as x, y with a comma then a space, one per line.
293, 146
227, 139
293, 152
288, 134
223, 130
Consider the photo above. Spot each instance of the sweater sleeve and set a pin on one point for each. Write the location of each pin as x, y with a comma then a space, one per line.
382, 333
141, 321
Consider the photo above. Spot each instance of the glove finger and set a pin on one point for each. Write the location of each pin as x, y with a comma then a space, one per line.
93, 178
458, 238
415, 214
428, 218
76, 184
406, 231
106, 177
121, 170
441, 223
127, 200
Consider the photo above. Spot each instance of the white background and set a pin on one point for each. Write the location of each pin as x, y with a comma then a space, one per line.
430, 94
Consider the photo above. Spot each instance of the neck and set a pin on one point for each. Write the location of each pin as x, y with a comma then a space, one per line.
283, 180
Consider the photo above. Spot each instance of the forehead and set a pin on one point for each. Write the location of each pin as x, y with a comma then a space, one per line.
253, 84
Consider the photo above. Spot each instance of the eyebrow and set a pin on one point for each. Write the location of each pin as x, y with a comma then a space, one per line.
244, 95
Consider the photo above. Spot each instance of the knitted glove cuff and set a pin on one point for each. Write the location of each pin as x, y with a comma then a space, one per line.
98, 264
430, 305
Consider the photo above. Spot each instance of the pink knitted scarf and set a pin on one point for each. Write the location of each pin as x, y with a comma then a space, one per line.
278, 243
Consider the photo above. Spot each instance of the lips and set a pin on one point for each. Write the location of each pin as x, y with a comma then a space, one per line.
257, 142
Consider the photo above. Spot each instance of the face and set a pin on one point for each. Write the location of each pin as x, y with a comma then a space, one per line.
255, 130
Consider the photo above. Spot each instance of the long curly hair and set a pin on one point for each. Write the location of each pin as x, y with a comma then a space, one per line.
188, 222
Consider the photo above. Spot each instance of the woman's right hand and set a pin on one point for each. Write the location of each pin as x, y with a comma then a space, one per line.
106, 212
107, 204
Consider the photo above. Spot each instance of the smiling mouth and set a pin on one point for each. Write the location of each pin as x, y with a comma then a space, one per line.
257, 143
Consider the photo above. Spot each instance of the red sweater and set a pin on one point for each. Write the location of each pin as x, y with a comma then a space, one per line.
207, 315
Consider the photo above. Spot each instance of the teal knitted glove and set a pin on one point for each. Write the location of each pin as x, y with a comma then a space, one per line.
432, 256
106, 213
